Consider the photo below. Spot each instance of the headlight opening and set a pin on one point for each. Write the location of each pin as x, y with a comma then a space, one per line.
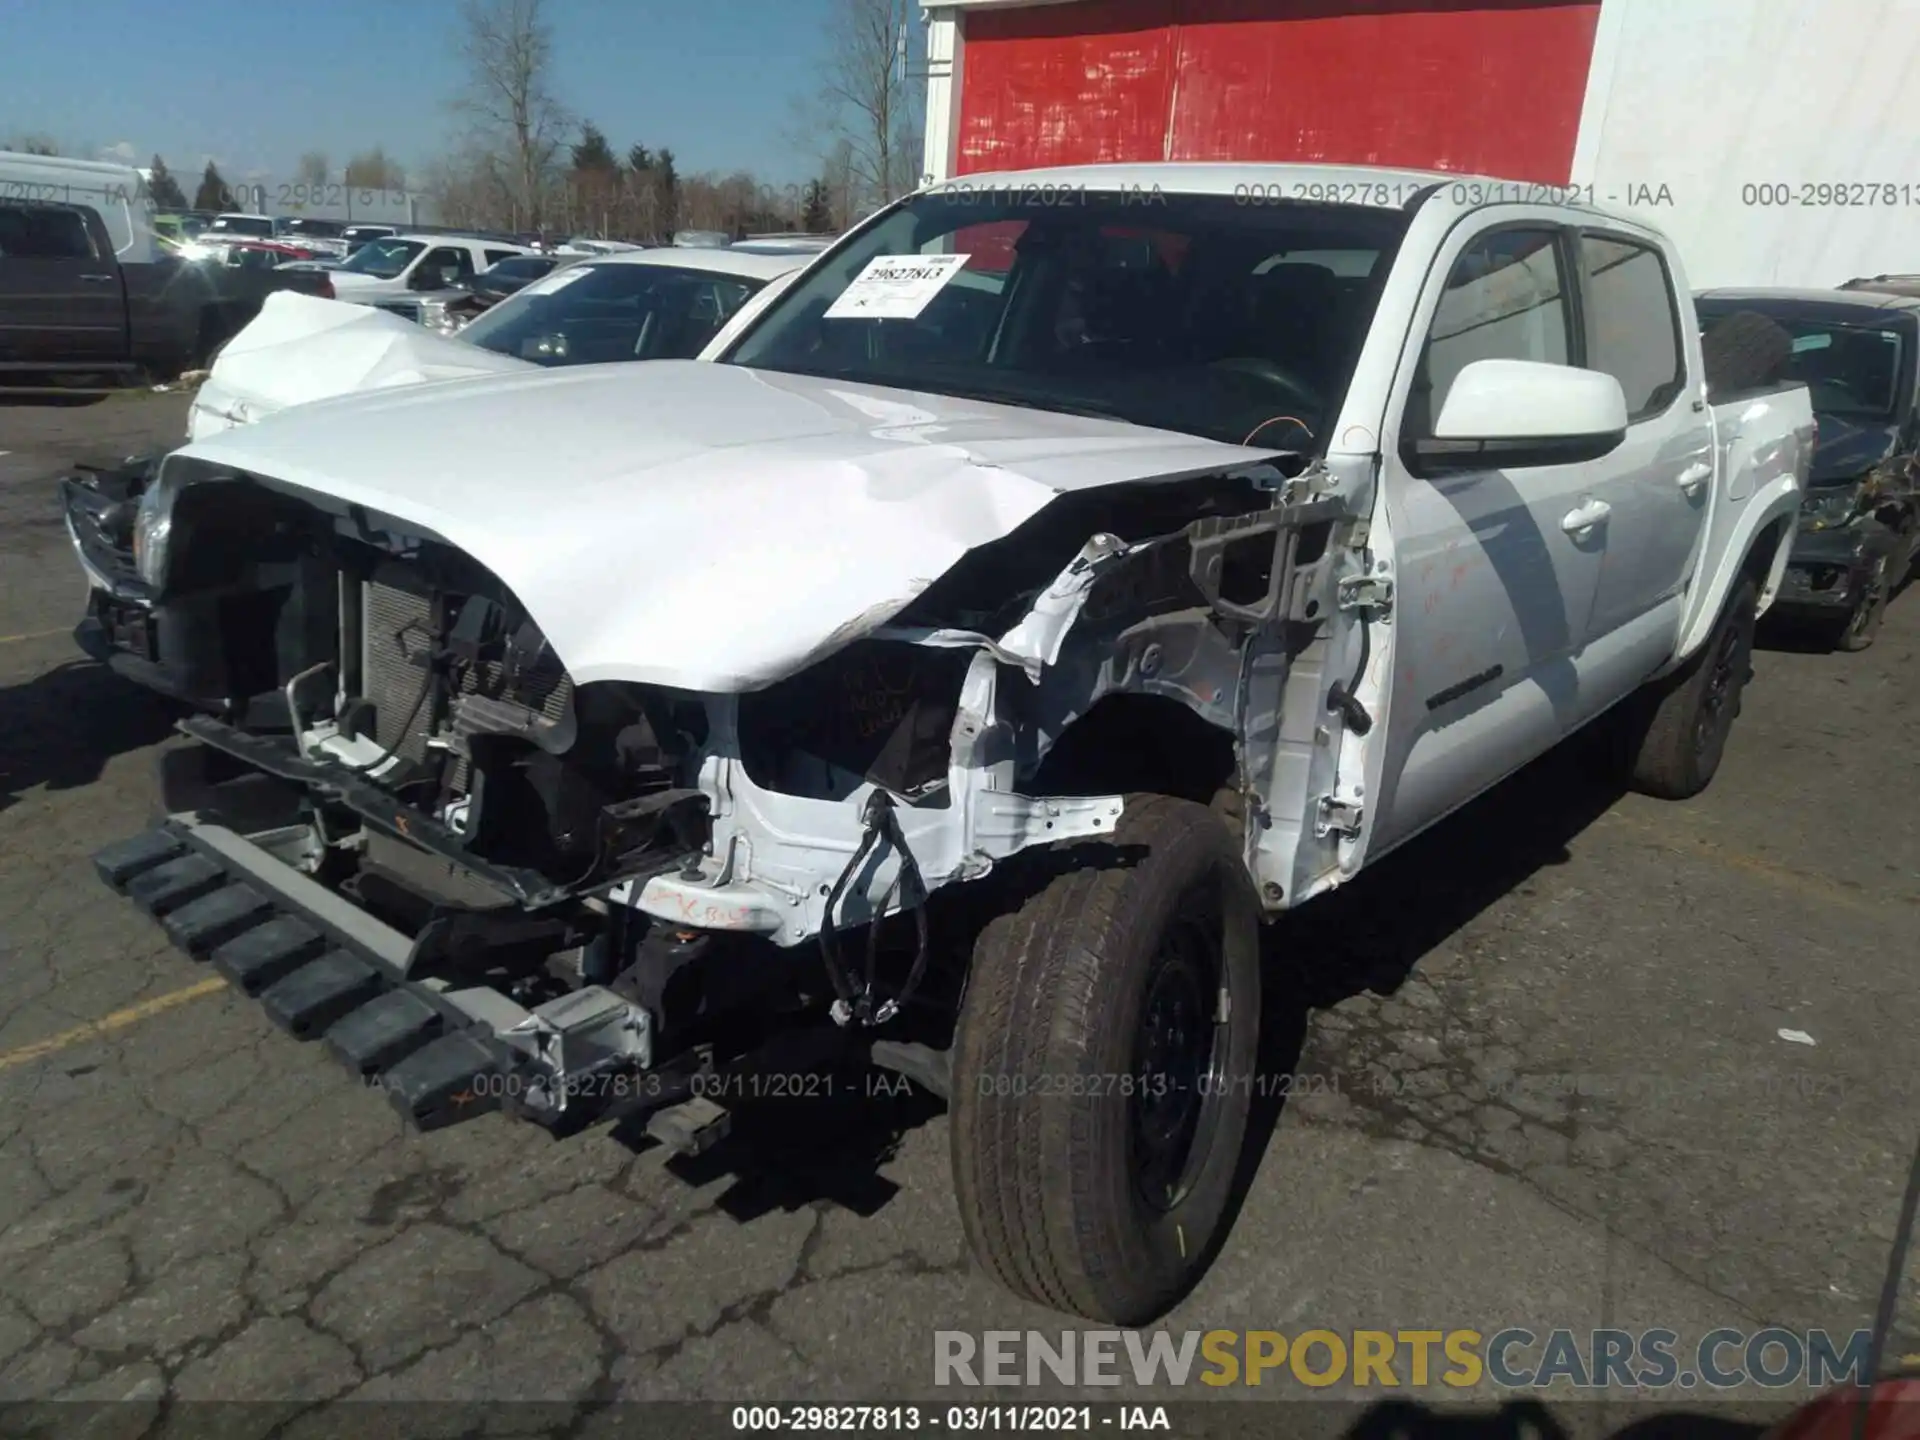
1829, 509
152, 523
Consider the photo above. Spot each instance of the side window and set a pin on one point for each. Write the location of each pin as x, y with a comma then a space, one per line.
1633, 325
37, 232
494, 257
1506, 299
452, 264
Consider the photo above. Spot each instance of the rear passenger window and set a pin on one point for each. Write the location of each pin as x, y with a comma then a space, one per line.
36, 232
1633, 325
1506, 299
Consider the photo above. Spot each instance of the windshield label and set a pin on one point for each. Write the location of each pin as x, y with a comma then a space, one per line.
895, 287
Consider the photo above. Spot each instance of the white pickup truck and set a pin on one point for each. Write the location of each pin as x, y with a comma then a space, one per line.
1063, 574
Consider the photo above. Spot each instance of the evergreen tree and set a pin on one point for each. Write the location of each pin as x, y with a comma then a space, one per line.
166, 191
212, 194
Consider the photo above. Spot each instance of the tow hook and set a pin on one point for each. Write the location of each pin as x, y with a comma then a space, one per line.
879, 822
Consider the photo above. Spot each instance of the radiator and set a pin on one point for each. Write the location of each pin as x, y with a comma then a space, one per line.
397, 625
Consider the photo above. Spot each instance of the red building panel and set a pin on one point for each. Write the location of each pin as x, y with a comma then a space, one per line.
1066, 84
1493, 86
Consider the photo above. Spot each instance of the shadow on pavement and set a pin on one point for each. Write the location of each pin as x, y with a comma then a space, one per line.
1371, 934
60, 728
54, 401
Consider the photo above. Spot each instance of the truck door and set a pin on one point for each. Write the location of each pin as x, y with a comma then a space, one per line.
1495, 571
1658, 484
60, 302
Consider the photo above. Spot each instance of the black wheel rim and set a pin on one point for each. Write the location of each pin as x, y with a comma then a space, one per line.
1179, 1069
1723, 689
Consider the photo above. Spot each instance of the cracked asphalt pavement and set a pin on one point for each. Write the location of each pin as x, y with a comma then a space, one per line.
1537, 1080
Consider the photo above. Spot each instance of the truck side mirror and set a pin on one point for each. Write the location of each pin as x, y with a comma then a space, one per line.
1501, 414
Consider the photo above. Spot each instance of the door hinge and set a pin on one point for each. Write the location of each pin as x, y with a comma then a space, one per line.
1365, 592
1337, 817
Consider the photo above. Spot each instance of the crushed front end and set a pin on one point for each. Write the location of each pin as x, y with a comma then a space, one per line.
485, 885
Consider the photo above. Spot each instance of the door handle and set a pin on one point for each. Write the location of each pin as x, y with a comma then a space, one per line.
1694, 476
1586, 517
98, 279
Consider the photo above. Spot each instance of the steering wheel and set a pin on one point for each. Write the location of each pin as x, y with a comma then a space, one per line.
1296, 390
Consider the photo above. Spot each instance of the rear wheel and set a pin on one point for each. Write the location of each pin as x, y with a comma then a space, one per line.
1679, 728
1103, 1068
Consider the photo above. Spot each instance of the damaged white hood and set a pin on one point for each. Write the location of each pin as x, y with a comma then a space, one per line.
300, 348
698, 525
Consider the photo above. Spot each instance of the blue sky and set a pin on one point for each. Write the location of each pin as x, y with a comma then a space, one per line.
256, 83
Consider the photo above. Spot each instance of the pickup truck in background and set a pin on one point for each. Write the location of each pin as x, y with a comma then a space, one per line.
74, 317
1061, 576
393, 271
1858, 353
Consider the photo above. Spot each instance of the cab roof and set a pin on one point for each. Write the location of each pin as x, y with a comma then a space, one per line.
1380, 187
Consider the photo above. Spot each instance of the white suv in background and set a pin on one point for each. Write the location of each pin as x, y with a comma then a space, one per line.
393, 272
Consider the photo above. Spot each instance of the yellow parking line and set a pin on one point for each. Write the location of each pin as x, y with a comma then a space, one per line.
1814, 886
118, 1020
30, 635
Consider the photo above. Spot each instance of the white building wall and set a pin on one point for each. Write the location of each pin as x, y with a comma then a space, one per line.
1710, 100
944, 36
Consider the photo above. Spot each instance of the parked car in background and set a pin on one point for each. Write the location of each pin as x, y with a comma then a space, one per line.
489, 288
395, 270
1858, 353
318, 236
232, 225
783, 244
358, 235
664, 304
73, 313
586, 245
1887, 284
299, 268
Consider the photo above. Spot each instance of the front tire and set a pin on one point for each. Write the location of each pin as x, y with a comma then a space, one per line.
1681, 727
1103, 1068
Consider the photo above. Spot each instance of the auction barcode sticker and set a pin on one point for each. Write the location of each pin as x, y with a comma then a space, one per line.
895, 287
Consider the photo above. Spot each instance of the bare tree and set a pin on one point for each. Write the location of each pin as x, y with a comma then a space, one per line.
508, 49
314, 168
374, 170
868, 104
